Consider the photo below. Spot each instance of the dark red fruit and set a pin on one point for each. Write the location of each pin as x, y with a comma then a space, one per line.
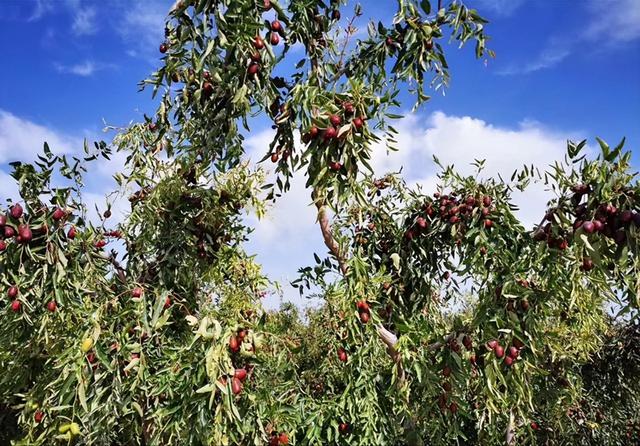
343, 428
486, 201
234, 345
236, 386
267, 5
276, 26
335, 120
3, 245
274, 157
100, 243
473, 360
513, 352
589, 227
421, 222
524, 304
167, 303
335, 166
283, 438
38, 416
258, 43
15, 306
534, 426
136, 292
240, 374
58, 214
3, 220
446, 372
207, 89
313, 132
12, 292
358, 123
364, 317
274, 38
9, 232
24, 232
587, 264
508, 361
342, 355
163, 48
52, 306
499, 351
626, 216
16, 211
466, 341
492, 344
330, 133
253, 69
335, 15
72, 233
453, 407
488, 223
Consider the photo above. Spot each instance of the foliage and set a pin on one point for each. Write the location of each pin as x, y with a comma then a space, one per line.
163, 340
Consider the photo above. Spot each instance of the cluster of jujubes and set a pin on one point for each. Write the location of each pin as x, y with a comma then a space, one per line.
330, 130
18, 231
242, 345
594, 219
453, 211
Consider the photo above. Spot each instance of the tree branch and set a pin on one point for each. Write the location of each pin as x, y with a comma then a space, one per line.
329, 241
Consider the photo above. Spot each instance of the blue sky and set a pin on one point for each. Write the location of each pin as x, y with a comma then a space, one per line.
564, 69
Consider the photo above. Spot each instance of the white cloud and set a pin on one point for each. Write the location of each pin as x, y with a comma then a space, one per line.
500, 7
84, 69
614, 20
286, 239
461, 140
21, 139
609, 22
42, 7
142, 26
548, 58
84, 22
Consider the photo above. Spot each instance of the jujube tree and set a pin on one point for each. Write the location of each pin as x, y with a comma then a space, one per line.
443, 320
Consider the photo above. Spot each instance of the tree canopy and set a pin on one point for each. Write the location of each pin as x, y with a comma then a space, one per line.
443, 319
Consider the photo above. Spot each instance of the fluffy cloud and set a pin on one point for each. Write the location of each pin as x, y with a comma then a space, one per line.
23, 139
286, 239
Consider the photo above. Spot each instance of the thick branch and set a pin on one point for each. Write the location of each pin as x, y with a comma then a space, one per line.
329, 241
510, 434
